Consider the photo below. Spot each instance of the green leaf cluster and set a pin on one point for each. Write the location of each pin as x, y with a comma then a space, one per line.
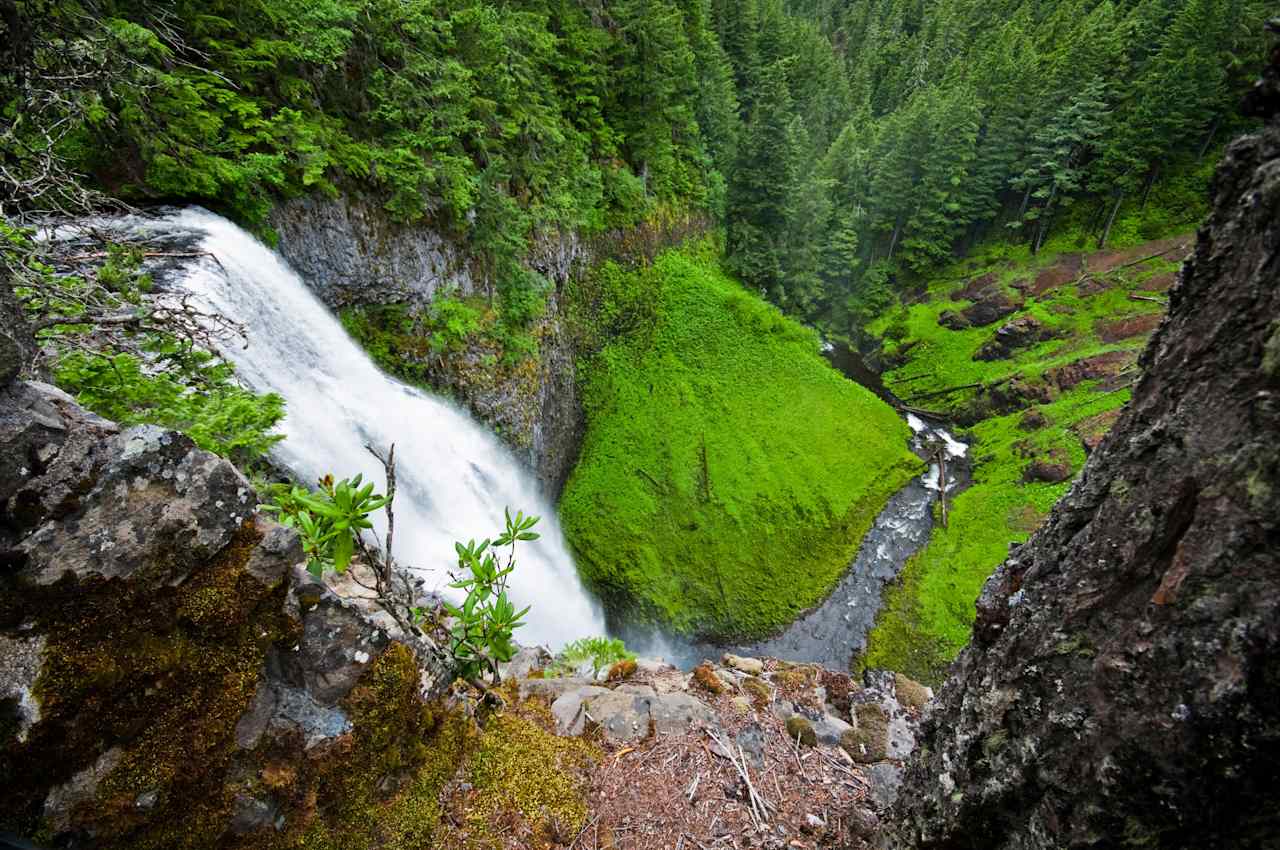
482, 635
600, 652
328, 520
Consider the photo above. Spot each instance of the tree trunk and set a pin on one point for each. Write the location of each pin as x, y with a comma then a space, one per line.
1146, 189
1111, 219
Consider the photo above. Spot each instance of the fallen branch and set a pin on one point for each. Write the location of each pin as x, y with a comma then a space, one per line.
1148, 257
102, 255
942, 483
975, 386
1133, 296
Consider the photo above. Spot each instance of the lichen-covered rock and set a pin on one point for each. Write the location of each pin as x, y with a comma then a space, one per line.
169, 676
1121, 685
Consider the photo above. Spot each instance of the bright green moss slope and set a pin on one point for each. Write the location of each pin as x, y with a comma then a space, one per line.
728, 473
927, 615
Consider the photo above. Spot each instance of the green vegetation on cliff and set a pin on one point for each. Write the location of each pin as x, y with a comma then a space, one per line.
1083, 319
728, 473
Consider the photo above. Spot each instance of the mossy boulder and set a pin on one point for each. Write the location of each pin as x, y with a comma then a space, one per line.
801, 729
911, 693
868, 742
164, 687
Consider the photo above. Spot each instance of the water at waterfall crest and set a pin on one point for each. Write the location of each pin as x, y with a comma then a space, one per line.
453, 477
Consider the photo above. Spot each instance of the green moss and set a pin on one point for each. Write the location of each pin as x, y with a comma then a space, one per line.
162, 673
728, 473
522, 773
868, 741
799, 728
927, 614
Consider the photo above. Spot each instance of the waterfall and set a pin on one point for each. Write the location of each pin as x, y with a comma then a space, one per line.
453, 477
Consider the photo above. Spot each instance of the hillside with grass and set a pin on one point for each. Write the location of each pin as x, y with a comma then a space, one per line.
728, 472
1033, 356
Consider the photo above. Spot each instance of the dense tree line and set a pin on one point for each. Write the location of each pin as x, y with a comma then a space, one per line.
846, 144
946, 121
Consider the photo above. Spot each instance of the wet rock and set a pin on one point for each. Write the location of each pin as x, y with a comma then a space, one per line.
1019, 333
750, 666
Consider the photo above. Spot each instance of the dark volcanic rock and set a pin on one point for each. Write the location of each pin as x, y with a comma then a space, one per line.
17, 346
953, 320
1017, 333
1123, 683
991, 308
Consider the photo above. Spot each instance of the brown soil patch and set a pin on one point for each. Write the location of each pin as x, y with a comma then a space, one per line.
1107, 365
1159, 283
1094, 285
639, 797
1177, 247
1065, 271
1092, 430
1114, 330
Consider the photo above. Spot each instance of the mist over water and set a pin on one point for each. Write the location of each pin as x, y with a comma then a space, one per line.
453, 477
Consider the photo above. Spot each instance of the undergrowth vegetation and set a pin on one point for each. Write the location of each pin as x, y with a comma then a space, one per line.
728, 473
1039, 408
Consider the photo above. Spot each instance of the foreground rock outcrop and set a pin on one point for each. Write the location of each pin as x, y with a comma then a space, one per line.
169, 676
1122, 687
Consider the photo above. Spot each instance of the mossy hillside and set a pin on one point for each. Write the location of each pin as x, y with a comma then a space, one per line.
728, 473
928, 613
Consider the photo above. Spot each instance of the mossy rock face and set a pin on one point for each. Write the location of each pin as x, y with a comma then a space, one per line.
759, 690
801, 728
868, 741
181, 703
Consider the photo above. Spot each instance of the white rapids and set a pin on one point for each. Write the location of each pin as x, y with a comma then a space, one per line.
453, 477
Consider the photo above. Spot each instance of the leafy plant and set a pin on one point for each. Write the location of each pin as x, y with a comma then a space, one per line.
600, 652
486, 620
329, 520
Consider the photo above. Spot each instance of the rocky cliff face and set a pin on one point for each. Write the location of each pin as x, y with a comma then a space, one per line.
350, 253
1122, 687
169, 676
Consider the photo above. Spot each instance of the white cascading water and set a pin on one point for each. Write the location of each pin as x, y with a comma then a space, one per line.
453, 478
